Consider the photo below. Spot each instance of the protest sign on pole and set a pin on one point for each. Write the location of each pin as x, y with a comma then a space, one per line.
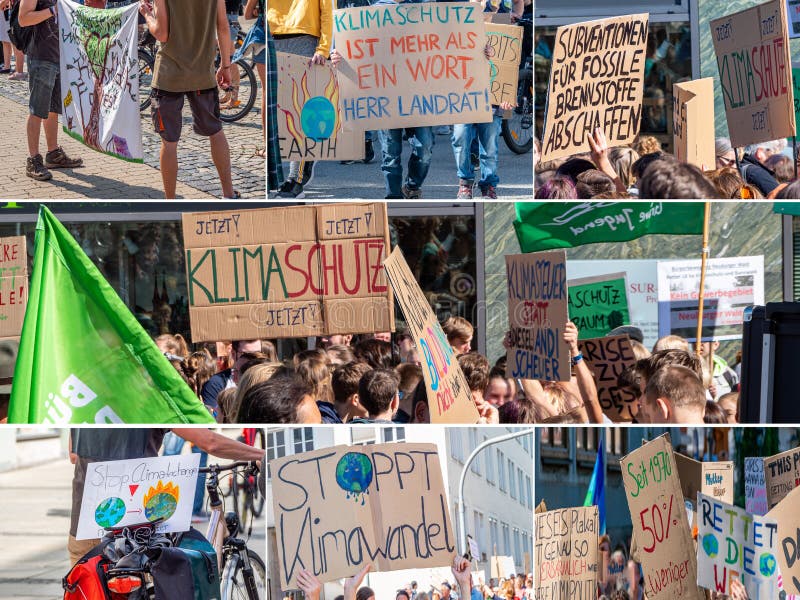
733, 544
100, 78
660, 526
449, 398
287, 272
537, 315
607, 358
781, 475
411, 65
598, 304
596, 80
754, 62
787, 545
714, 479
731, 285
310, 123
339, 508
755, 489
503, 566
124, 492
505, 42
13, 285
693, 122
567, 554
796, 88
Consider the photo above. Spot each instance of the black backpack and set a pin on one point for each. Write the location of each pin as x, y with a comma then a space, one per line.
20, 36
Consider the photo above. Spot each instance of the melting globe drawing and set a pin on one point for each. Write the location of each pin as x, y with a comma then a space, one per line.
109, 512
710, 545
318, 118
354, 474
767, 564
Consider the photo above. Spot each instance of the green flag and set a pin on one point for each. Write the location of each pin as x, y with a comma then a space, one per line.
83, 357
548, 225
786, 208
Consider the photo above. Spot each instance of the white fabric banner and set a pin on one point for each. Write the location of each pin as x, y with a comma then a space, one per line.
100, 78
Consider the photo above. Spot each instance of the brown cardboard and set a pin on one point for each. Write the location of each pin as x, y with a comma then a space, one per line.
693, 122
13, 285
571, 116
781, 475
537, 315
449, 398
567, 553
788, 540
506, 44
755, 68
301, 82
411, 65
401, 497
540, 508
655, 500
287, 272
502, 566
501, 18
714, 479
607, 358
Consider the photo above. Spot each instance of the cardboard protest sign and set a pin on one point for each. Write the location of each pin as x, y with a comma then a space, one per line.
410, 65
505, 42
567, 554
733, 544
755, 489
287, 272
663, 540
449, 398
693, 122
781, 475
503, 566
752, 48
310, 123
537, 315
100, 78
596, 80
338, 508
598, 304
713, 479
607, 358
787, 544
124, 492
13, 285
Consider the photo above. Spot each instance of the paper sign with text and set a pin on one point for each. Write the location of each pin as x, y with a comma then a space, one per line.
124, 492
339, 508
754, 63
596, 80
755, 489
566, 554
505, 42
663, 539
13, 285
537, 315
503, 566
693, 122
293, 271
713, 479
781, 475
786, 515
449, 398
607, 358
598, 304
411, 65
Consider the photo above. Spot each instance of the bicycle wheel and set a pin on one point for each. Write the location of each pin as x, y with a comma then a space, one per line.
146, 65
246, 96
518, 130
238, 585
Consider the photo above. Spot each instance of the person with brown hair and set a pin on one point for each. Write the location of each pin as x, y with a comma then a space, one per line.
339, 355
592, 183
781, 166
646, 144
410, 375
377, 392
314, 372
622, 159
459, 334
344, 383
674, 394
476, 371
172, 344
376, 353
255, 374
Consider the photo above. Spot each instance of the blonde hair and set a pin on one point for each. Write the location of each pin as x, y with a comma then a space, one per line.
646, 144
254, 375
622, 159
174, 344
458, 329
672, 342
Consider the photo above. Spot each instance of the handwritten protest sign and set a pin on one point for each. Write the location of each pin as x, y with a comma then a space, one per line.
781, 475
409, 65
123, 492
596, 80
449, 398
503, 566
733, 544
713, 479
13, 285
755, 489
505, 42
310, 123
339, 508
607, 358
787, 544
693, 122
598, 304
100, 78
537, 315
664, 542
567, 554
287, 272
752, 48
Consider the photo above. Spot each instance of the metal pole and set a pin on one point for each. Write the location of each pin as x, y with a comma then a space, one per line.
701, 295
462, 537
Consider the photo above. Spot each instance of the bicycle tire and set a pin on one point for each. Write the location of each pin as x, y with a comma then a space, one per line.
149, 63
247, 75
234, 586
521, 120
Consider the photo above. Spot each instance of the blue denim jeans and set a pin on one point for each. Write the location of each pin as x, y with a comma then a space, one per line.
487, 134
421, 140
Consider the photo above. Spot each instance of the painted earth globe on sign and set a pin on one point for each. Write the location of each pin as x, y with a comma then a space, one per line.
161, 501
710, 545
317, 118
109, 512
354, 474
767, 564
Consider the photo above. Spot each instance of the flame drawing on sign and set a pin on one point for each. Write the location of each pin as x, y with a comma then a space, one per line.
161, 501
314, 117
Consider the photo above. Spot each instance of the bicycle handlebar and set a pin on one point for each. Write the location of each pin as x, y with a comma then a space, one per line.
236, 465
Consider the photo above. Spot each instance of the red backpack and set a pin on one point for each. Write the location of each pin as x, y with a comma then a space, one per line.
87, 579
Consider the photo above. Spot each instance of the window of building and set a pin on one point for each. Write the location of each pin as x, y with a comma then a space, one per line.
506, 539
501, 469
521, 481
394, 434
494, 537
480, 536
303, 439
276, 444
528, 492
456, 444
475, 467
512, 482
361, 436
489, 464
517, 547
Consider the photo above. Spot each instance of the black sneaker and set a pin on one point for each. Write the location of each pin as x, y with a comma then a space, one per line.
369, 152
308, 173
58, 159
291, 189
411, 193
35, 169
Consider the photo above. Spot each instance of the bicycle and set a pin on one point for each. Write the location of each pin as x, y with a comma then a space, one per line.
517, 131
246, 494
146, 64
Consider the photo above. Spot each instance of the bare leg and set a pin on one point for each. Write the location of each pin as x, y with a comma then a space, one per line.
221, 155
33, 130
51, 131
7, 55
169, 167
20, 60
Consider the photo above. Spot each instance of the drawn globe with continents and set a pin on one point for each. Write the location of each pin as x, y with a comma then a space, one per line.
318, 118
710, 545
109, 512
767, 564
161, 501
354, 474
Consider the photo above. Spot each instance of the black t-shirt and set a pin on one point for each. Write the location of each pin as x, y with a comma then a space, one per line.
232, 6
45, 44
